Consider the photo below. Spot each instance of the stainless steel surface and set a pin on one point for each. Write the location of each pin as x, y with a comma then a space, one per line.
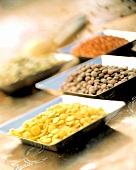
113, 148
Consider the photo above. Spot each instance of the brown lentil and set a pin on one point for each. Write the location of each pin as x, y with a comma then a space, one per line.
94, 83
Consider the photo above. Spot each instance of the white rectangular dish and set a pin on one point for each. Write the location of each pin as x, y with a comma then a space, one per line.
123, 91
26, 71
130, 36
110, 107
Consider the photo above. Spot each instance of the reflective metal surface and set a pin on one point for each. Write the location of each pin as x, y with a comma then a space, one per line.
113, 147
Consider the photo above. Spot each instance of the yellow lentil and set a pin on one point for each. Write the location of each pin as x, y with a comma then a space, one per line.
58, 122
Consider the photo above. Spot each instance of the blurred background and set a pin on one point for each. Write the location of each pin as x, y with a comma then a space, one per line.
24, 23
31, 28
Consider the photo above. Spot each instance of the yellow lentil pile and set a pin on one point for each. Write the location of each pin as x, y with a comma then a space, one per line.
58, 122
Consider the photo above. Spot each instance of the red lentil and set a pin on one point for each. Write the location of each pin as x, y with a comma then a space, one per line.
99, 45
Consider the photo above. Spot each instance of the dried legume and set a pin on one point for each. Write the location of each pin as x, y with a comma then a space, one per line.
58, 122
98, 45
99, 81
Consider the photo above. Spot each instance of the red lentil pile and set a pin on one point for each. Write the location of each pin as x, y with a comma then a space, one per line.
99, 45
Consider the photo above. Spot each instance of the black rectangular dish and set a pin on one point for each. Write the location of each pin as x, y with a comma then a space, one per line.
124, 91
125, 50
111, 108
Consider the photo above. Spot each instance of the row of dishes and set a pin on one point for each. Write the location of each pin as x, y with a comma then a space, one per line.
82, 106
26, 70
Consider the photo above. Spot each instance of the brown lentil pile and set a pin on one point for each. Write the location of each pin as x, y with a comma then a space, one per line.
99, 45
95, 79
58, 122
